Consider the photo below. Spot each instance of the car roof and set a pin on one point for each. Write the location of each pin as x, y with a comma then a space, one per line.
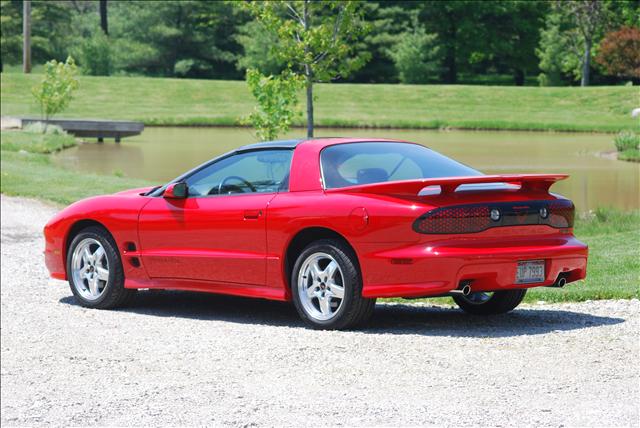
322, 141
278, 144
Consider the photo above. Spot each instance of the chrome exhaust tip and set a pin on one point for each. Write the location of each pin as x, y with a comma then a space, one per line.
465, 290
561, 282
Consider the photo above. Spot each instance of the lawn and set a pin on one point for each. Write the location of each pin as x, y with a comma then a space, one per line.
164, 101
27, 170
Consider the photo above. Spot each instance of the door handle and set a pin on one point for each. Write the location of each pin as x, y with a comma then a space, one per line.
252, 214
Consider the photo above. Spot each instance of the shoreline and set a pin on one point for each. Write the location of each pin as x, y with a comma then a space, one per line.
7, 124
390, 127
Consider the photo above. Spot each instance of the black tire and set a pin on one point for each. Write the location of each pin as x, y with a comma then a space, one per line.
114, 294
499, 303
354, 310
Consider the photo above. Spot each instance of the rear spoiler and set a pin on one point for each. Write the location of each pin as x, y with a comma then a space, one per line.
448, 185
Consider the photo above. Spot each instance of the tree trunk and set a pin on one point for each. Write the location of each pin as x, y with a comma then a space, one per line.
586, 63
104, 23
308, 74
309, 78
451, 73
26, 36
518, 77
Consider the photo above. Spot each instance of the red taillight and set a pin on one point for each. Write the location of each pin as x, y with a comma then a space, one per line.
475, 218
465, 219
561, 214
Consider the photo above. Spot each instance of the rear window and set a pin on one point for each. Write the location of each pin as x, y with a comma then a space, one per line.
351, 164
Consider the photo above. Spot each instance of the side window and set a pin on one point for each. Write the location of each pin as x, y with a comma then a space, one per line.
262, 171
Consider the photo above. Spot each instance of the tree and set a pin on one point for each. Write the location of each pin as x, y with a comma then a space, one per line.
104, 23
26, 37
277, 98
387, 23
456, 24
573, 27
416, 55
10, 33
96, 55
557, 59
260, 49
316, 39
509, 32
619, 53
589, 16
55, 91
186, 38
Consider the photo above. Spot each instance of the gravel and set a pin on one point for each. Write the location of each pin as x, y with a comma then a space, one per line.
198, 359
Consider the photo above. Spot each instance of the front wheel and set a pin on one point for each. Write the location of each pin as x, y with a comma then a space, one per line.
484, 303
95, 271
327, 288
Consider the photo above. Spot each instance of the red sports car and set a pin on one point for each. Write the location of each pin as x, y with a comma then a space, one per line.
330, 223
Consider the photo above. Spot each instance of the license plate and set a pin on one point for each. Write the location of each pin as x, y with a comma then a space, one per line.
530, 272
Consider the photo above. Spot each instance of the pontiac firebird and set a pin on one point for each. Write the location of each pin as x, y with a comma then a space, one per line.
330, 224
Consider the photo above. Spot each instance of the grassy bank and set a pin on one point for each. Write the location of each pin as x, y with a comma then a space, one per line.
27, 170
162, 101
613, 237
628, 146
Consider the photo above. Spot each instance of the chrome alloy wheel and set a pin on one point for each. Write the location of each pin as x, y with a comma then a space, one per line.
90, 269
478, 298
321, 286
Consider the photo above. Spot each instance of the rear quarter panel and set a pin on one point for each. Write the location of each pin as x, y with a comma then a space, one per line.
359, 219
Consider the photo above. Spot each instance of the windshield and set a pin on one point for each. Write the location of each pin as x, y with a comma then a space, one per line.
351, 164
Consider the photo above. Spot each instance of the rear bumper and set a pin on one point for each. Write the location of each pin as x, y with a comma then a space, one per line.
430, 270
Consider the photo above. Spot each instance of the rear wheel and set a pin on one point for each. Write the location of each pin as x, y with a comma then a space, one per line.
327, 288
95, 271
485, 303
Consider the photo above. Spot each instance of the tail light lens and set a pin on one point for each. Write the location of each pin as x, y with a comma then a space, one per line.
461, 219
561, 213
478, 217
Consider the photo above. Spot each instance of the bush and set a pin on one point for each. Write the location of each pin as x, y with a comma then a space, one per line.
618, 53
416, 55
55, 91
96, 56
627, 141
42, 128
277, 99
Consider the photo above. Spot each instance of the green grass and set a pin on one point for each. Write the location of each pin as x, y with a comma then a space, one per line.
630, 155
613, 237
628, 146
613, 271
163, 101
27, 170
35, 142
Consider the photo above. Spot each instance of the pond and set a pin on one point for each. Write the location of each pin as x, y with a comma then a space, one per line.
160, 154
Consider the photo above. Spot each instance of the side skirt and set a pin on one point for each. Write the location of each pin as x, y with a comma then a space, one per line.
258, 291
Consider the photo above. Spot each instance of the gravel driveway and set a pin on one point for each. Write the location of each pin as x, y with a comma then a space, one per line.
197, 359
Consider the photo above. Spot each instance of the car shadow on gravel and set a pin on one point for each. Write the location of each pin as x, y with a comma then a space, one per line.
389, 318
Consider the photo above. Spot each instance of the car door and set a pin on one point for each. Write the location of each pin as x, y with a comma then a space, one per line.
218, 232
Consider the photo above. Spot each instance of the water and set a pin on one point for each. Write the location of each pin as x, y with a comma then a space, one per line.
160, 154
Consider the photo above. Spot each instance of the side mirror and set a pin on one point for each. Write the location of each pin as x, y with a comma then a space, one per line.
176, 191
